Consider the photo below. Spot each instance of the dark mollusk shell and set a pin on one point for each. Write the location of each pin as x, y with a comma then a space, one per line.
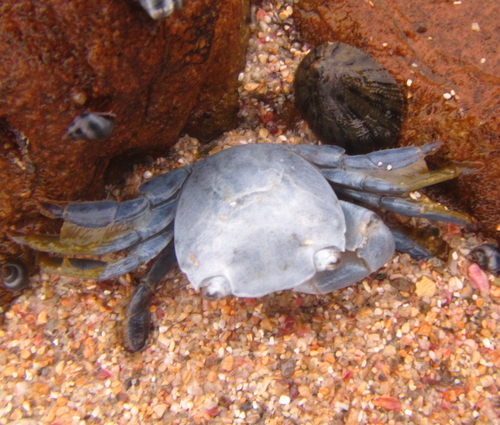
348, 98
91, 125
14, 276
487, 257
158, 9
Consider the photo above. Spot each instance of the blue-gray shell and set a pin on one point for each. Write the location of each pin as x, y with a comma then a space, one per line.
256, 214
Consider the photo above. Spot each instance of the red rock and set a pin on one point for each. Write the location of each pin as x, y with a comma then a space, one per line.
434, 45
159, 78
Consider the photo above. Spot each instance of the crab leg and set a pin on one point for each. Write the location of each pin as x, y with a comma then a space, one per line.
411, 208
98, 228
335, 157
409, 246
137, 315
77, 239
100, 269
391, 171
165, 186
393, 182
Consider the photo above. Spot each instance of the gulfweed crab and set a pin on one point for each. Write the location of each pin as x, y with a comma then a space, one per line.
248, 221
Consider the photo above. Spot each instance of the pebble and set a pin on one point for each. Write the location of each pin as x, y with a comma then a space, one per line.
425, 287
284, 399
159, 410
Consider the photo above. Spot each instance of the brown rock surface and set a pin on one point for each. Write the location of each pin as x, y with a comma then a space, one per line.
442, 47
60, 58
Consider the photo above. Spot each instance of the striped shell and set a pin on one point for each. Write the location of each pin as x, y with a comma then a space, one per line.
14, 275
158, 9
349, 99
91, 125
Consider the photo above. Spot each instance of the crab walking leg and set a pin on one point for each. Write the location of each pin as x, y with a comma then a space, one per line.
407, 245
75, 239
103, 213
98, 228
369, 245
102, 270
393, 182
165, 186
334, 156
410, 208
137, 321
391, 171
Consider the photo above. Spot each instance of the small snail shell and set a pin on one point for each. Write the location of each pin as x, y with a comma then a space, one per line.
14, 276
348, 98
158, 9
487, 257
91, 125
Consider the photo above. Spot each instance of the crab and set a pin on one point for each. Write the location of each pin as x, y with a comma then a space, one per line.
248, 221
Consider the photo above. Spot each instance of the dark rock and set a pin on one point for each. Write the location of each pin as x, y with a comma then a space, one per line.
60, 59
436, 45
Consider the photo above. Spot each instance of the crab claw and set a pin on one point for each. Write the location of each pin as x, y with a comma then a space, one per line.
216, 287
327, 259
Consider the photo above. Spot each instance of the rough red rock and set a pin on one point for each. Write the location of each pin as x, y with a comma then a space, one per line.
442, 47
60, 58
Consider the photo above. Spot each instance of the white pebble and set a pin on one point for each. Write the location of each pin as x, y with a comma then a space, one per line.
415, 195
475, 27
389, 167
447, 96
147, 174
284, 399
483, 60
409, 83
487, 343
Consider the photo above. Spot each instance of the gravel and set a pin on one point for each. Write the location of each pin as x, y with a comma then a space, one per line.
416, 343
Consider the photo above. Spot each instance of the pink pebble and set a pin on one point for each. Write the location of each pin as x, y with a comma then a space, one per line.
479, 280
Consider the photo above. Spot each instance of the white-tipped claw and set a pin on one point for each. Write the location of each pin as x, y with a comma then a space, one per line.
216, 287
327, 259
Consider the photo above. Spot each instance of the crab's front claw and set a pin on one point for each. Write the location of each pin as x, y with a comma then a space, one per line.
216, 287
369, 245
14, 275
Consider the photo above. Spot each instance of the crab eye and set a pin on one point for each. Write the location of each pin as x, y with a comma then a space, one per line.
216, 287
327, 259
